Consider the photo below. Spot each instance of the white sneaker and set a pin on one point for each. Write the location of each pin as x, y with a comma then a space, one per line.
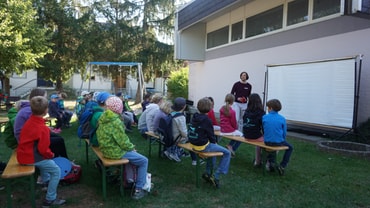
194, 162
167, 154
175, 157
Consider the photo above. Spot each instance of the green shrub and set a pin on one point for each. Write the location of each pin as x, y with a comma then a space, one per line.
177, 84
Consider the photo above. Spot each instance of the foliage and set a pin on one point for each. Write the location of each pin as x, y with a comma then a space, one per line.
177, 84
22, 40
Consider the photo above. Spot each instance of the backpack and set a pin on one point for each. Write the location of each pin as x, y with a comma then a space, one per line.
85, 130
69, 171
165, 129
9, 137
74, 175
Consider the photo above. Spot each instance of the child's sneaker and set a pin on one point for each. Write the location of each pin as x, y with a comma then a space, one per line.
194, 162
280, 170
214, 181
206, 177
57, 131
138, 194
230, 148
47, 203
2, 187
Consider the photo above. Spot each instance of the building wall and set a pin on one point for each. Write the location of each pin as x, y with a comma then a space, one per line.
222, 67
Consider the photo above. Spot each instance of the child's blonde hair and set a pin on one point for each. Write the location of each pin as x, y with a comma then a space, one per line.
229, 100
166, 107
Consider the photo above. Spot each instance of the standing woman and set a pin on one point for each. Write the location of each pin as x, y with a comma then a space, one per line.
241, 90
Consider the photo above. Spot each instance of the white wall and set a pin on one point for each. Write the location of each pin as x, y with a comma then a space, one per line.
215, 77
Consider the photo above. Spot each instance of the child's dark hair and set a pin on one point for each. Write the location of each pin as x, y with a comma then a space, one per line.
274, 104
39, 104
37, 92
204, 105
254, 102
211, 99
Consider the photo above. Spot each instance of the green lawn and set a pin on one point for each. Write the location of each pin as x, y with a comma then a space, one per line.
313, 179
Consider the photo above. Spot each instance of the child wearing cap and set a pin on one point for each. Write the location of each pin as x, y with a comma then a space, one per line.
115, 144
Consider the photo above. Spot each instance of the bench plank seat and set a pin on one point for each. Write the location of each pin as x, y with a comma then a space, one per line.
265, 148
14, 170
251, 142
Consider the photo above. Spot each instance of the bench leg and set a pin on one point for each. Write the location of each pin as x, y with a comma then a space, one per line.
197, 169
122, 179
87, 152
104, 182
150, 145
9, 192
32, 188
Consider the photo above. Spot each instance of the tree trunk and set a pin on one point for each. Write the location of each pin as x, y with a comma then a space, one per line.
59, 85
6, 85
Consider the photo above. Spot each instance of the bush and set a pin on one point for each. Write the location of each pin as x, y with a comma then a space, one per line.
177, 84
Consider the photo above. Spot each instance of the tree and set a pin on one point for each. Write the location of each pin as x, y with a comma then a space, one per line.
73, 42
22, 40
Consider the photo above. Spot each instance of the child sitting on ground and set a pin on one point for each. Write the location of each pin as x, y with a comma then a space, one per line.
274, 129
33, 149
202, 138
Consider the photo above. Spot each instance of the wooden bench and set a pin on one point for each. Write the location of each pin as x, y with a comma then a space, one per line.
265, 148
15, 170
108, 163
154, 138
203, 155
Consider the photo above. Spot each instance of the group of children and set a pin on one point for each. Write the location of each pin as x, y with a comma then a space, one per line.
115, 144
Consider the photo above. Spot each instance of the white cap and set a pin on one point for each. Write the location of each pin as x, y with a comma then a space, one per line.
83, 93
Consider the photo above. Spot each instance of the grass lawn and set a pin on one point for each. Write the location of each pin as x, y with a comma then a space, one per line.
313, 179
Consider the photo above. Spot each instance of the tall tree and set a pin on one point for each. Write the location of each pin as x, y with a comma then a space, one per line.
22, 40
71, 35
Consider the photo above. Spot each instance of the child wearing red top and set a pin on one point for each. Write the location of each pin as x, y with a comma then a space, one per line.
33, 149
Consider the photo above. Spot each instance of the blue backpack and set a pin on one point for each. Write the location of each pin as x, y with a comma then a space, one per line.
165, 129
85, 130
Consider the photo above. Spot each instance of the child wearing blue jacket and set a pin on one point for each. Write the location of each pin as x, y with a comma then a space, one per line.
274, 129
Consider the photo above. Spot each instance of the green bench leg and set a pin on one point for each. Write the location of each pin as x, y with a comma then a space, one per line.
32, 188
87, 152
104, 182
9, 192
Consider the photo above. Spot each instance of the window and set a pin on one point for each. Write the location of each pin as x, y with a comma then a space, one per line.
297, 12
267, 21
237, 31
322, 8
218, 37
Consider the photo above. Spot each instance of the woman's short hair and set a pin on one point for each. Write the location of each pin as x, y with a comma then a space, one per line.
245, 74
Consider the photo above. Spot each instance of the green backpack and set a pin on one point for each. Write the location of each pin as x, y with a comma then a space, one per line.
9, 137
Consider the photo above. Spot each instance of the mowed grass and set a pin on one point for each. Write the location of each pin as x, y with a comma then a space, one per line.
313, 179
